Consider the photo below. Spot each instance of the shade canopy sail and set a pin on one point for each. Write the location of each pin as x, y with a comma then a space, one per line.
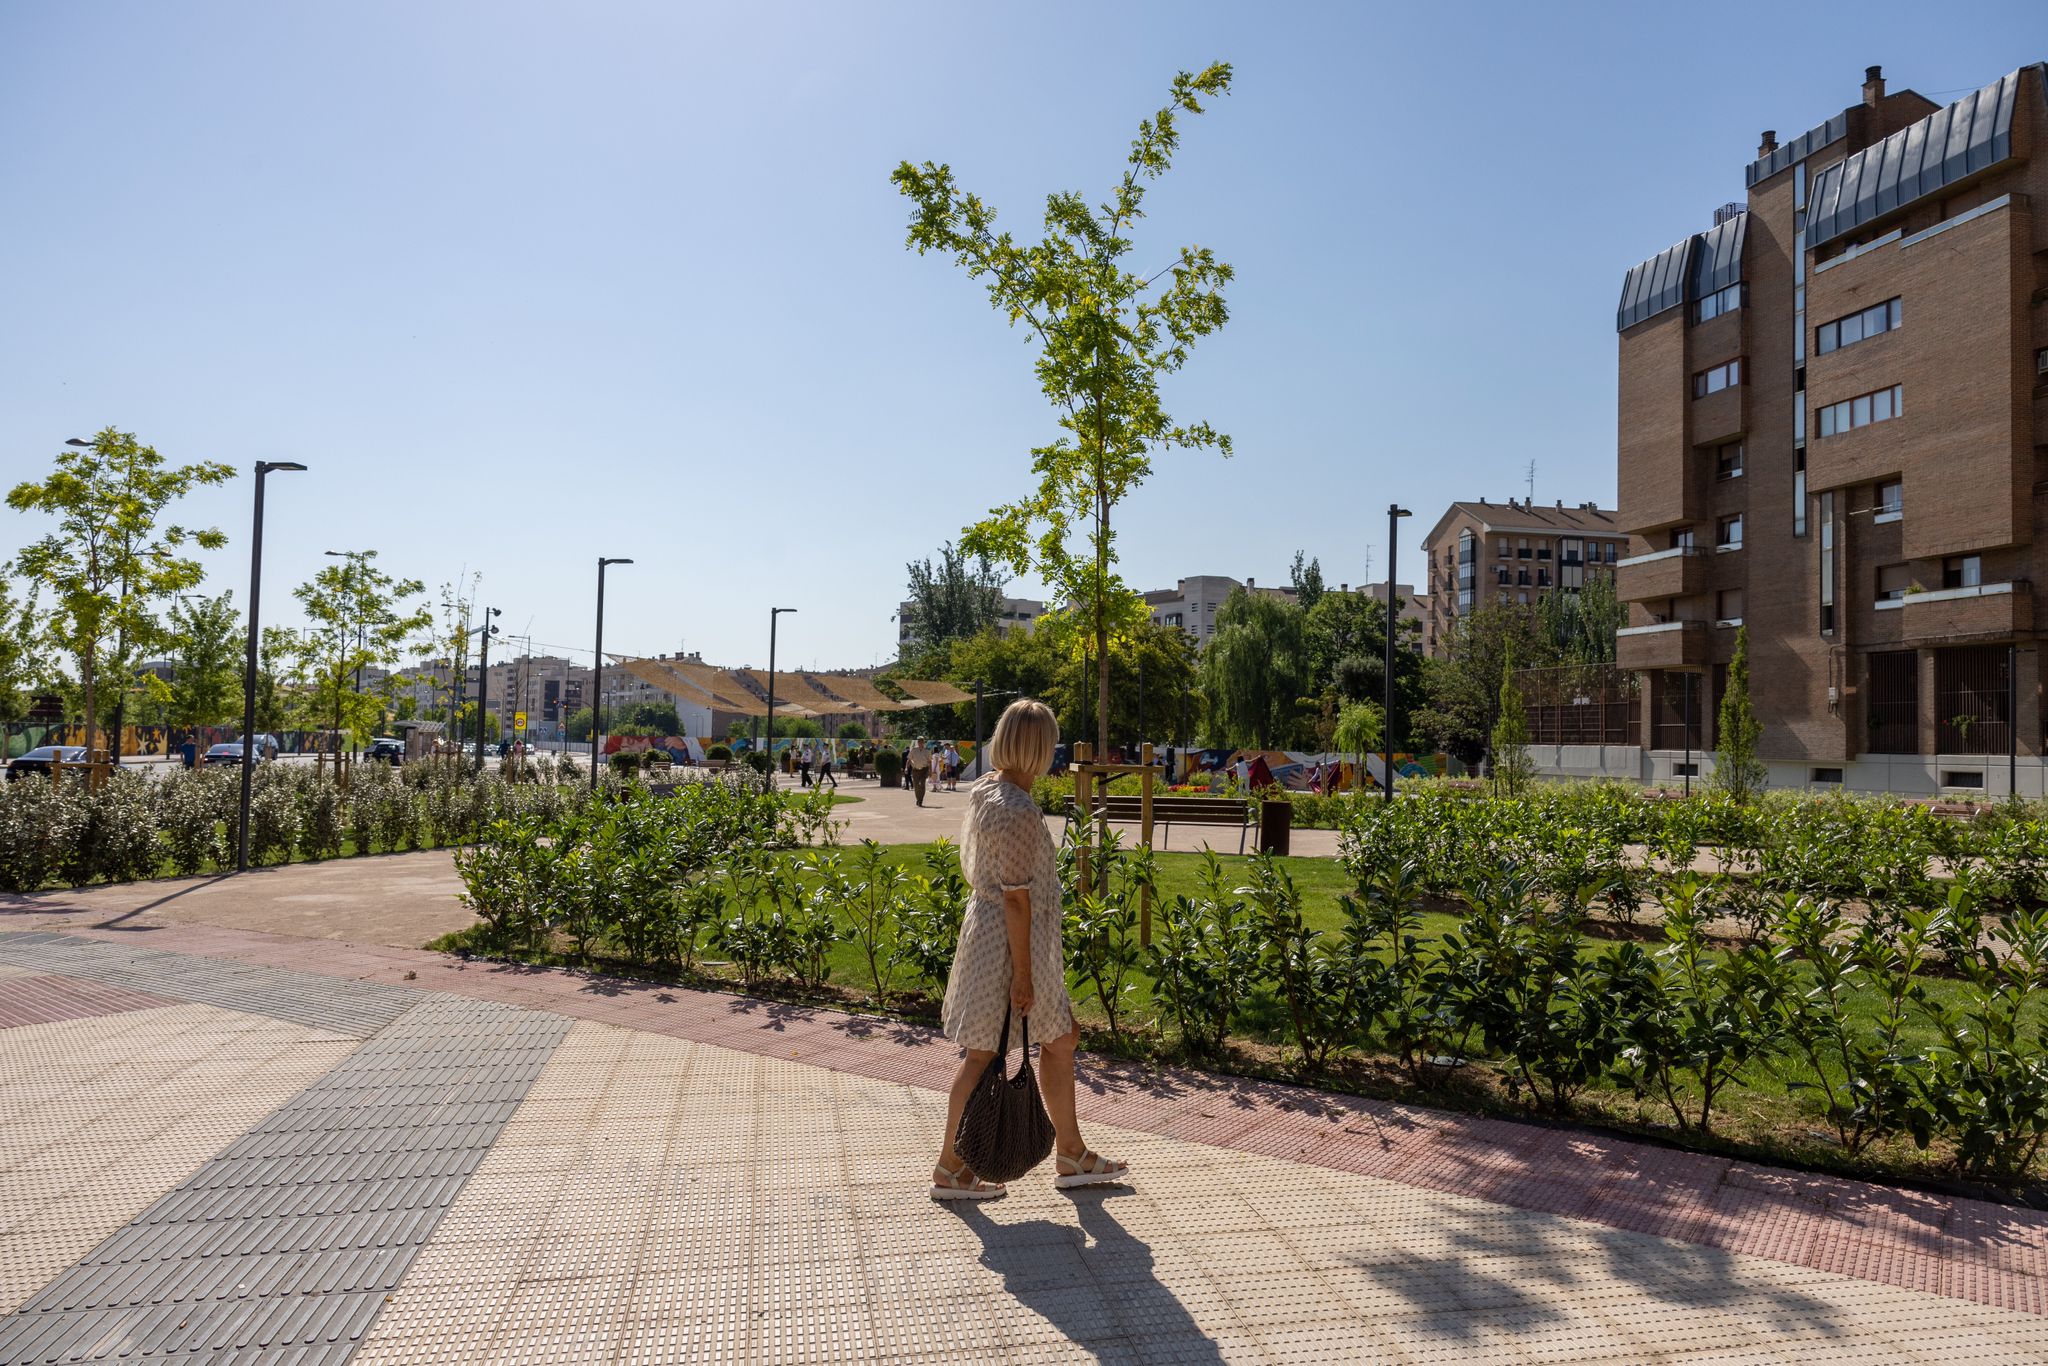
861, 693
932, 694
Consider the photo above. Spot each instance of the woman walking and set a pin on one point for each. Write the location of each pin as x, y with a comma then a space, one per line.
1008, 964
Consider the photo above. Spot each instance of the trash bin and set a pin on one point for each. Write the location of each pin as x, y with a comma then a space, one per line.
189, 752
1276, 825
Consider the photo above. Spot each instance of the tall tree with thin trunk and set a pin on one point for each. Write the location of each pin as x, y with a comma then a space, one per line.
108, 561
1737, 769
207, 683
358, 623
955, 599
18, 659
1106, 335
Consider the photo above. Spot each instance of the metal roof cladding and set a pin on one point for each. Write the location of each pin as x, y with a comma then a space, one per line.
1971, 135
1717, 263
1799, 149
1698, 266
1655, 285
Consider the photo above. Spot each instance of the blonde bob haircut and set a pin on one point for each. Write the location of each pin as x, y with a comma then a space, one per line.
1024, 738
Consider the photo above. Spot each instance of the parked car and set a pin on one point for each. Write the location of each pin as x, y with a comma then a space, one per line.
230, 753
385, 750
38, 760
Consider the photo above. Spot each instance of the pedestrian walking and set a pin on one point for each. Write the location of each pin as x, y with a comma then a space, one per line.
803, 765
1008, 964
825, 767
919, 763
954, 763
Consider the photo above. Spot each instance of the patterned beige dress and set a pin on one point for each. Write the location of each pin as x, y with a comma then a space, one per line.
1004, 845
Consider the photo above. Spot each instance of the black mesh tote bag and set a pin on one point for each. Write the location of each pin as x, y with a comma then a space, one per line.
1004, 1131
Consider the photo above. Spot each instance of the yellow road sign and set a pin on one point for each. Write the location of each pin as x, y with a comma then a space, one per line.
519, 720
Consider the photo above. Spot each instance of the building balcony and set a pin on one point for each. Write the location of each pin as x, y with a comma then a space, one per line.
1945, 615
1663, 645
1661, 574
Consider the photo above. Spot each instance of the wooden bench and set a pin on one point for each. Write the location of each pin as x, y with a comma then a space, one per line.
1170, 811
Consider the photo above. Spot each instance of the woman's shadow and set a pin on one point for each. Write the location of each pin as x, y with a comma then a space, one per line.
1104, 1295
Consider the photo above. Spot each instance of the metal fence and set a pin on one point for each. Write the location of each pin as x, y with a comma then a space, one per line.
1581, 704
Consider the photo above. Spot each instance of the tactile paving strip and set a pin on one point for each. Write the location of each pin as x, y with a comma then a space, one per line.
284, 1246
45, 998
349, 1007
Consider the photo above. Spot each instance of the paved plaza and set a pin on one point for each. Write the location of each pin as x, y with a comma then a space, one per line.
232, 1136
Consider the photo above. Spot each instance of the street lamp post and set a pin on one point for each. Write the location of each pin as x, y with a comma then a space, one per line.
597, 672
773, 613
263, 468
483, 679
1395, 512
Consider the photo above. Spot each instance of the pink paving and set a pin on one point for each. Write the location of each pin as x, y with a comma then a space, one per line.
48, 998
1965, 1249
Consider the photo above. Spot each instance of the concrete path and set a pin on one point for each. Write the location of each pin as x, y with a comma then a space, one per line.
891, 815
219, 1144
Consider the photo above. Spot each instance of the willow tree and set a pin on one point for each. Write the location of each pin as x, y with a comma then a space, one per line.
1255, 670
108, 562
1106, 337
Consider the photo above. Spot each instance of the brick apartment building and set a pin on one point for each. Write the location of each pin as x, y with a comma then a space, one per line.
1487, 552
1833, 404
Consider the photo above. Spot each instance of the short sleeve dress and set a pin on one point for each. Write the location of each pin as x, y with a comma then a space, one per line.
1003, 845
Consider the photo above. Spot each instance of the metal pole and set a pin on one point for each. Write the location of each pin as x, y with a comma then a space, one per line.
773, 615
597, 677
483, 684
1395, 512
1685, 724
249, 677
2012, 718
980, 767
263, 468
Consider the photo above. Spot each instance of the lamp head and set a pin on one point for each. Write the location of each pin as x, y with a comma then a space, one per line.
74, 441
269, 466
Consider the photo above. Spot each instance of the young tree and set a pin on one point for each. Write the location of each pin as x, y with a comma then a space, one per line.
1307, 578
109, 561
1737, 769
1254, 669
1512, 767
18, 660
1360, 728
1106, 339
358, 623
280, 681
206, 688
959, 597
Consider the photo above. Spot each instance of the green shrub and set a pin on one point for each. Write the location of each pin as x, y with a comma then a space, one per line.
888, 766
722, 753
625, 761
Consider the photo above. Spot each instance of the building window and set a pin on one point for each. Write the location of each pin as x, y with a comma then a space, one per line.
2041, 363
1522, 548
1825, 775
1728, 461
1970, 701
1502, 545
1892, 580
1891, 501
1719, 302
1962, 571
1728, 532
1728, 607
1895, 702
1857, 326
1723, 376
1681, 539
1609, 555
1543, 551
1860, 411
1799, 477
1569, 550
1522, 578
1827, 564
1543, 578
1500, 574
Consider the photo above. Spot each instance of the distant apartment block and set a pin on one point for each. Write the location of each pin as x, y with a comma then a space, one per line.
1833, 429
1017, 615
1483, 552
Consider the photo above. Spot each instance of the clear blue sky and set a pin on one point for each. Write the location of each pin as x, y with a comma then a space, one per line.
529, 283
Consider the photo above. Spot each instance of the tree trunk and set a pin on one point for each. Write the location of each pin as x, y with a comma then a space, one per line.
91, 696
1101, 625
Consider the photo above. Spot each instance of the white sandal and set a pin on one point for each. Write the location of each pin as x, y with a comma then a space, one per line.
1089, 1169
973, 1188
